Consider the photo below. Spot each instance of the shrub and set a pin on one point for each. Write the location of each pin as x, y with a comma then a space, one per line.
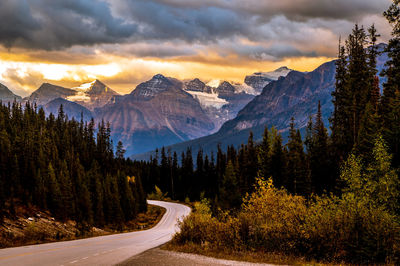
157, 194
325, 228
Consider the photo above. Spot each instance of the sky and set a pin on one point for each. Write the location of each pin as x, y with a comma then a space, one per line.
126, 42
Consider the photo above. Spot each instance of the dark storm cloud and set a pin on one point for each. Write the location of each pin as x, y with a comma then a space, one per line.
163, 21
55, 24
59, 24
300, 9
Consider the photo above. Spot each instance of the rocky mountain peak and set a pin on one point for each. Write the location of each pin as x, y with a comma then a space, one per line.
259, 80
282, 69
226, 88
48, 92
98, 87
160, 77
197, 85
151, 88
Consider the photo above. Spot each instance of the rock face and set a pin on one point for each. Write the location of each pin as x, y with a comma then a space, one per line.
48, 92
261, 79
93, 95
296, 95
71, 109
225, 89
197, 85
157, 113
7, 96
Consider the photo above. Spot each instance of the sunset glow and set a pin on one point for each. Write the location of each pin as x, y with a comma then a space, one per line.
123, 48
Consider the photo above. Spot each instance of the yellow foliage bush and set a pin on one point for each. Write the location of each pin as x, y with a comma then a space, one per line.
324, 228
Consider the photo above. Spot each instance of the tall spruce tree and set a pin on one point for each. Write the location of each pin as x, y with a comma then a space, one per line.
390, 104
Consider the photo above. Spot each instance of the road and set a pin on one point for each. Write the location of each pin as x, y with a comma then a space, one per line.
103, 250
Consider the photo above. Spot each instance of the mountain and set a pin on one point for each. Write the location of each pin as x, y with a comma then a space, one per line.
93, 95
261, 79
71, 109
6, 95
220, 103
295, 95
48, 92
197, 85
159, 112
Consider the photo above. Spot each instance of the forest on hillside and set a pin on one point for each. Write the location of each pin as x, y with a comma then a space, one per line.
66, 167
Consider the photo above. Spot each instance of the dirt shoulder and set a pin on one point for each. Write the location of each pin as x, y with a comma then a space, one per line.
30, 225
159, 257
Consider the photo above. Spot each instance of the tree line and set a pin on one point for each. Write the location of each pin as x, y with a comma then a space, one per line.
307, 164
66, 167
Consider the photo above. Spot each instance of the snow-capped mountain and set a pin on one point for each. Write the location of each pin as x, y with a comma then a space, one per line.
220, 103
92, 95
157, 113
259, 80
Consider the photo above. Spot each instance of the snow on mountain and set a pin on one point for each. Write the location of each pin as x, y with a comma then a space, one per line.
208, 99
81, 93
276, 74
244, 88
214, 83
259, 80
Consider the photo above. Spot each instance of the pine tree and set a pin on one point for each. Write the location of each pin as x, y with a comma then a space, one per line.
120, 153
264, 155
53, 192
341, 98
229, 195
318, 152
278, 162
391, 90
297, 165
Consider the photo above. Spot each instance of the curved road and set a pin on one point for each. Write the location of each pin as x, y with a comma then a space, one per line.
103, 250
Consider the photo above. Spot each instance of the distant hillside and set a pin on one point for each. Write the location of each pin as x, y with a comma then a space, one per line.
71, 109
295, 95
6, 95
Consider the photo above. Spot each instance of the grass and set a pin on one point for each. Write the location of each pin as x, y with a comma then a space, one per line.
18, 232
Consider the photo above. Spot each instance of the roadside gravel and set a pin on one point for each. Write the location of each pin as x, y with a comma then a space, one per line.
160, 257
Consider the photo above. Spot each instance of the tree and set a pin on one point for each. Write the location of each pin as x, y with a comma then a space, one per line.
390, 104
229, 195
341, 98
53, 192
298, 173
318, 153
120, 150
278, 161
264, 151
376, 182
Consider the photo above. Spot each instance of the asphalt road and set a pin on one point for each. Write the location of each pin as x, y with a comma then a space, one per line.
103, 250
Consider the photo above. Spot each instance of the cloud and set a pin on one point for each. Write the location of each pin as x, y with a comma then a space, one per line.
135, 39
57, 24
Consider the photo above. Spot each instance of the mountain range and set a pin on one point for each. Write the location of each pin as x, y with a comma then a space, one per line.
295, 95
159, 112
165, 111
